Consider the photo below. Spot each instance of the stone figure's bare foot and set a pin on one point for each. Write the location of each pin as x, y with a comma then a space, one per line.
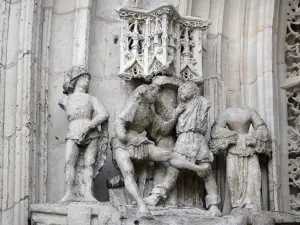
90, 198
152, 200
252, 207
204, 170
214, 211
144, 213
69, 197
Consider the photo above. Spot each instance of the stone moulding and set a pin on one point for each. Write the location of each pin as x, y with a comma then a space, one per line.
160, 41
79, 213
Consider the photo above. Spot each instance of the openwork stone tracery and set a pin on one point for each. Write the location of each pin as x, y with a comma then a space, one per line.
160, 41
293, 100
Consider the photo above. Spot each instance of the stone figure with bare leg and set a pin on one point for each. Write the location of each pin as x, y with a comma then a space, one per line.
85, 115
133, 127
191, 146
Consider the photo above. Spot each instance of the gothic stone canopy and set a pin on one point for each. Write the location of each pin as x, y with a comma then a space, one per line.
161, 41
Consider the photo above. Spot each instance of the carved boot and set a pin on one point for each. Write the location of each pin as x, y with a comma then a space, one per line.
144, 213
152, 199
214, 210
88, 195
158, 194
69, 197
70, 178
204, 170
212, 200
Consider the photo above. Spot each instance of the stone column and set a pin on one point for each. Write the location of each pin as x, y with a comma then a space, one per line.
18, 94
258, 84
280, 71
81, 32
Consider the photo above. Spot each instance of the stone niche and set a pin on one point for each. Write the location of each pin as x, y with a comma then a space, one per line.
160, 41
156, 42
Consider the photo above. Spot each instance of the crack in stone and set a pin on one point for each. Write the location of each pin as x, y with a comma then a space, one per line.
9, 66
101, 18
12, 3
21, 199
71, 11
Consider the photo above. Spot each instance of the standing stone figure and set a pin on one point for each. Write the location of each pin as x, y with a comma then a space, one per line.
192, 146
231, 132
85, 114
137, 123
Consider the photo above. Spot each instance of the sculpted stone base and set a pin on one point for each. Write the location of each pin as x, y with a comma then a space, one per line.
80, 213
196, 216
74, 213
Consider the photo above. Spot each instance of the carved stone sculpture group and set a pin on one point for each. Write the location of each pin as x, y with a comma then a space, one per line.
143, 136
165, 123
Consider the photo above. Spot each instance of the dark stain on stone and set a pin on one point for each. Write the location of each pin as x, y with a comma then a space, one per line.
116, 39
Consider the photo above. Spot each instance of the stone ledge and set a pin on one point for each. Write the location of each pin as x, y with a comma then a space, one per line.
104, 213
196, 216
75, 213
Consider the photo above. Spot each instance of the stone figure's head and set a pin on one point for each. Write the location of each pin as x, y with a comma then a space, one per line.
146, 93
80, 79
187, 91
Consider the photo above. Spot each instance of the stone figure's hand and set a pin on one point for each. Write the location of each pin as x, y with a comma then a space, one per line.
180, 109
139, 140
250, 141
234, 137
159, 80
85, 132
123, 138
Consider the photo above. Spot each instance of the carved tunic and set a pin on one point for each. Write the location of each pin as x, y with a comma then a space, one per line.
138, 118
79, 109
191, 128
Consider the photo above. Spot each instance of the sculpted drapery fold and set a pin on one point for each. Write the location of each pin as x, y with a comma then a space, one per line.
231, 133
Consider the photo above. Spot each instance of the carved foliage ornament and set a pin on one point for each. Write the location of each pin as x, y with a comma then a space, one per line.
292, 60
160, 41
292, 39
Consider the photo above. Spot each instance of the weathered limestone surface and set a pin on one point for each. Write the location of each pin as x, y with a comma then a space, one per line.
221, 63
244, 150
75, 214
246, 53
87, 138
106, 214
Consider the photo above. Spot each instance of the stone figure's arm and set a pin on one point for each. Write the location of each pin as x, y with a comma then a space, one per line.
258, 123
221, 136
165, 127
220, 128
125, 118
100, 113
260, 133
203, 117
120, 129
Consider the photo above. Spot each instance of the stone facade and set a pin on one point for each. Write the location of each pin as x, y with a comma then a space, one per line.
240, 51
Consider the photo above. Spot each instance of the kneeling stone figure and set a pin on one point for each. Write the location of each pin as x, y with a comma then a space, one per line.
135, 125
192, 146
